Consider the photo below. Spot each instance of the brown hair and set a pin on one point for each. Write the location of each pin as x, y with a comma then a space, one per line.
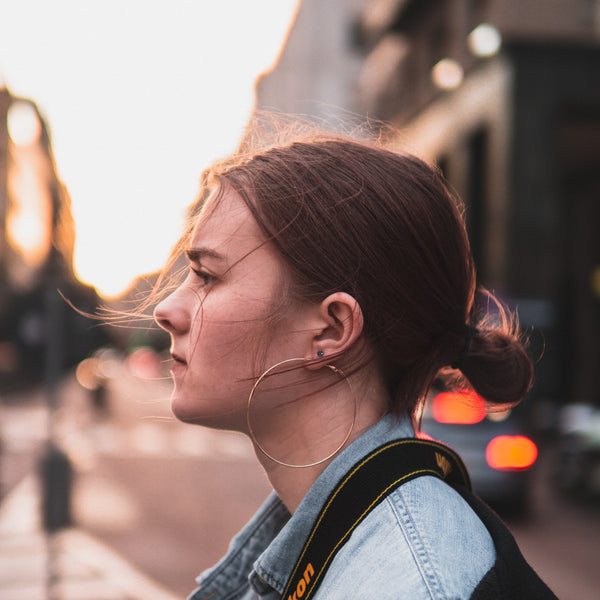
383, 227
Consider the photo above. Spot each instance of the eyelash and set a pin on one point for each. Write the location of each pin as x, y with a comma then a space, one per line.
203, 275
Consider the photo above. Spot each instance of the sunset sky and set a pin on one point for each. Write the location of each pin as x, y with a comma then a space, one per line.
140, 96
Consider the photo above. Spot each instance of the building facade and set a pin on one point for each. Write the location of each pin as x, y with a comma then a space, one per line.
318, 68
37, 236
505, 96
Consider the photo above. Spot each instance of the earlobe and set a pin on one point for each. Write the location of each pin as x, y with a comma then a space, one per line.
342, 320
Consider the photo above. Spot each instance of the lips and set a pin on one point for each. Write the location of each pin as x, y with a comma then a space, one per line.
177, 359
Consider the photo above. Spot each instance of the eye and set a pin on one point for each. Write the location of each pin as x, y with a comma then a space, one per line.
202, 275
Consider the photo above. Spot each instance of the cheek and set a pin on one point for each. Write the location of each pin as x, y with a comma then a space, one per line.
228, 340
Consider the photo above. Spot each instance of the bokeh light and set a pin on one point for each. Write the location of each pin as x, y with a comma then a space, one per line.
447, 74
485, 40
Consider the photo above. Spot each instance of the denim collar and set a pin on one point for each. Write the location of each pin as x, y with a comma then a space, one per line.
276, 563
265, 551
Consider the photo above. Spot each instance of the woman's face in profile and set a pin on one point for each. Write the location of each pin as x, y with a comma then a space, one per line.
217, 317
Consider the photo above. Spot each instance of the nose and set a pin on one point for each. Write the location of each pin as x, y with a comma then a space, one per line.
172, 315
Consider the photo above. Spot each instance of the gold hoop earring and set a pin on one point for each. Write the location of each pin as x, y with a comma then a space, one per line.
253, 436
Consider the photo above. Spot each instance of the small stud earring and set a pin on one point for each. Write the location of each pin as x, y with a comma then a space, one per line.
320, 353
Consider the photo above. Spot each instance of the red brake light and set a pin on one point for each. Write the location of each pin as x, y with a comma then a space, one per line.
464, 408
511, 452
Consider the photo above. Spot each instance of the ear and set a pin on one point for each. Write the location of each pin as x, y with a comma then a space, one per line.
341, 323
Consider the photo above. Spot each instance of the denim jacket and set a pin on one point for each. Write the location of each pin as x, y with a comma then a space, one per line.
422, 541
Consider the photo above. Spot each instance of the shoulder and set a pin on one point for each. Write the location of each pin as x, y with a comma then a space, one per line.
423, 541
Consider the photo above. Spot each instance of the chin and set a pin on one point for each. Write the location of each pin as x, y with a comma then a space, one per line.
187, 410
184, 410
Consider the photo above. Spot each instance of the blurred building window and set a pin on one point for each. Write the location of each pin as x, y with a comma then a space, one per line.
477, 186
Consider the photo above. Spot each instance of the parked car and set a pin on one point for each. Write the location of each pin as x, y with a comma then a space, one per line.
577, 465
493, 445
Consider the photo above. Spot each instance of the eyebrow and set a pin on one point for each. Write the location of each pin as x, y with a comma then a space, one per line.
197, 254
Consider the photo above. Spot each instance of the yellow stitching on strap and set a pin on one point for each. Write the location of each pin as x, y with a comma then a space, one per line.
345, 481
356, 523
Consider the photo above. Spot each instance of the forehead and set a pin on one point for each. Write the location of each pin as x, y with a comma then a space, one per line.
227, 226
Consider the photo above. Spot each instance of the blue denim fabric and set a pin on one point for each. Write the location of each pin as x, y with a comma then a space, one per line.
423, 541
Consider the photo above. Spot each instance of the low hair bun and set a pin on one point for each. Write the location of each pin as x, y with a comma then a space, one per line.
496, 364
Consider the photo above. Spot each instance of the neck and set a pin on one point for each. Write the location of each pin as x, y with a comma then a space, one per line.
322, 423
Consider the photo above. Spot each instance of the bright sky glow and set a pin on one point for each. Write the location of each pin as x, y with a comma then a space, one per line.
140, 96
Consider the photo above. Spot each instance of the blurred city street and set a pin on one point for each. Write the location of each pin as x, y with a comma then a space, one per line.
97, 168
166, 497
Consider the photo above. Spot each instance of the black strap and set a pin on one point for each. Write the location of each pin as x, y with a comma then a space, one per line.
511, 576
363, 488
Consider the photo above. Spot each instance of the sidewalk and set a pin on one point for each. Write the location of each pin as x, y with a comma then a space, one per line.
84, 569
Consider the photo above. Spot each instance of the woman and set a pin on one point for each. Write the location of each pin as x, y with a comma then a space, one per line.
330, 282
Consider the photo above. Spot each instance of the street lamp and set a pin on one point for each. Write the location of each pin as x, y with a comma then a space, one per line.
485, 40
447, 74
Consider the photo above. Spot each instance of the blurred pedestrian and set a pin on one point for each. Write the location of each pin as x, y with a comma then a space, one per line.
330, 282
